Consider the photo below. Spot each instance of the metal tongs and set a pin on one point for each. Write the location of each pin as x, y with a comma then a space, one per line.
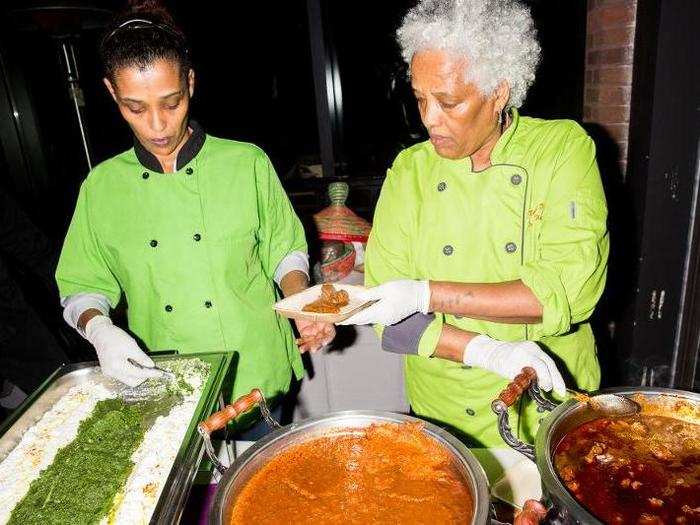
150, 390
166, 373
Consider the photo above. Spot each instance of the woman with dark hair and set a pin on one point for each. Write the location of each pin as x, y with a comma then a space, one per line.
193, 230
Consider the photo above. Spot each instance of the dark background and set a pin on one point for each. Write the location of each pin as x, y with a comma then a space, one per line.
255, 83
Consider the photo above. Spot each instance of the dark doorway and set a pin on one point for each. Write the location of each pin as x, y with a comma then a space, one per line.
659, 335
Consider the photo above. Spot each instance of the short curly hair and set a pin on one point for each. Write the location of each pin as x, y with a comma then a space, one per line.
497, 37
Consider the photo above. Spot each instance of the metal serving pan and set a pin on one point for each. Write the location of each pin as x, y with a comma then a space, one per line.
564, 508
335, 423
176, 489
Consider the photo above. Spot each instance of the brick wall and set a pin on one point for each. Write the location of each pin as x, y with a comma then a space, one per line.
609, 56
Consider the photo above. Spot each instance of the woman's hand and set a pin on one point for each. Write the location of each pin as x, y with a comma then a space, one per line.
396, 300
313, 335
532, 514
114, 347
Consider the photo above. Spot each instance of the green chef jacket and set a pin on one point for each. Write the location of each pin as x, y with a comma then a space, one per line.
193, 252
538, 214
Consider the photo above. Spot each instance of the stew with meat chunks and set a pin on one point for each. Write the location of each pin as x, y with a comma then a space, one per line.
643, 469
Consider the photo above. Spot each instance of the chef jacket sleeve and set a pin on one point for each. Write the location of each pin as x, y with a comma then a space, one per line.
82, 267
294, 261
280, 231
568, 273
388, 257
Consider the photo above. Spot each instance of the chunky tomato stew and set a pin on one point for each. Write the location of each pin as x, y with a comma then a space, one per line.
386, 473
643, 469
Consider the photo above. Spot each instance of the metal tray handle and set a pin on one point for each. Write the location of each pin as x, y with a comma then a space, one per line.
220, 419
520, 384
526, 380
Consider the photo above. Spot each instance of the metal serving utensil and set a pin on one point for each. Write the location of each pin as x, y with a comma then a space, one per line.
155, 397
612, 405
166, 373
608, 404
152, 389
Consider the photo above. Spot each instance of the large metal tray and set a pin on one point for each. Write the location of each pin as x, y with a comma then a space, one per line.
176, 489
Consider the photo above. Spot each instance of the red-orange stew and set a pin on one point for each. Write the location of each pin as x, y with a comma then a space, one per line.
635, 470
384, 474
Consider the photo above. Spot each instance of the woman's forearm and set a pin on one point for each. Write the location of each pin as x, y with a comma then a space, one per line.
86, 316
452, 343
294, 282
506, 302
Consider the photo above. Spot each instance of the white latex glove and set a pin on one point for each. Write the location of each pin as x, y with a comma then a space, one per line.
396, 301
114, 346
508, 360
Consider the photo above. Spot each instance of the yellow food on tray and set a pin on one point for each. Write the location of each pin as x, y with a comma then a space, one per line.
330, 302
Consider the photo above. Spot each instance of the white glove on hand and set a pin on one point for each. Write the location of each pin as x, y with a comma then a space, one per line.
114, 346
508, 359
396, 301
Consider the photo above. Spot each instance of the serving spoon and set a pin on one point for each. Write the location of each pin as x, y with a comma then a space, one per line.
612, 405
608, 404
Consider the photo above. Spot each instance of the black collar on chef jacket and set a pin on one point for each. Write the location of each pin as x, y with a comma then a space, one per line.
188, 151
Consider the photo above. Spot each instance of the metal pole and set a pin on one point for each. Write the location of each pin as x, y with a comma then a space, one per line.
76, 94
323, 87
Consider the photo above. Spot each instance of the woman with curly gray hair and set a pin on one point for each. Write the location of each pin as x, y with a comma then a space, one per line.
489, 247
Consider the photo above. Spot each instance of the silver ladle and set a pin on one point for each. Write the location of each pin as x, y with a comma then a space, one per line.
611, 405
608, 404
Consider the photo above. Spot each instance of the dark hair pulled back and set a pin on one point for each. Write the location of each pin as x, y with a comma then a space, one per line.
139, 36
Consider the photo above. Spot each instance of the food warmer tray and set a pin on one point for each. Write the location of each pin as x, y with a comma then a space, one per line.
177, 486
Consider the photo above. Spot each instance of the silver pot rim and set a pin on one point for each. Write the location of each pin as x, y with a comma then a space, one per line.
479, 481
544, 447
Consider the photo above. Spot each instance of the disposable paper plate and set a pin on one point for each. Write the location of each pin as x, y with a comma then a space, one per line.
518, 484
291, 306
